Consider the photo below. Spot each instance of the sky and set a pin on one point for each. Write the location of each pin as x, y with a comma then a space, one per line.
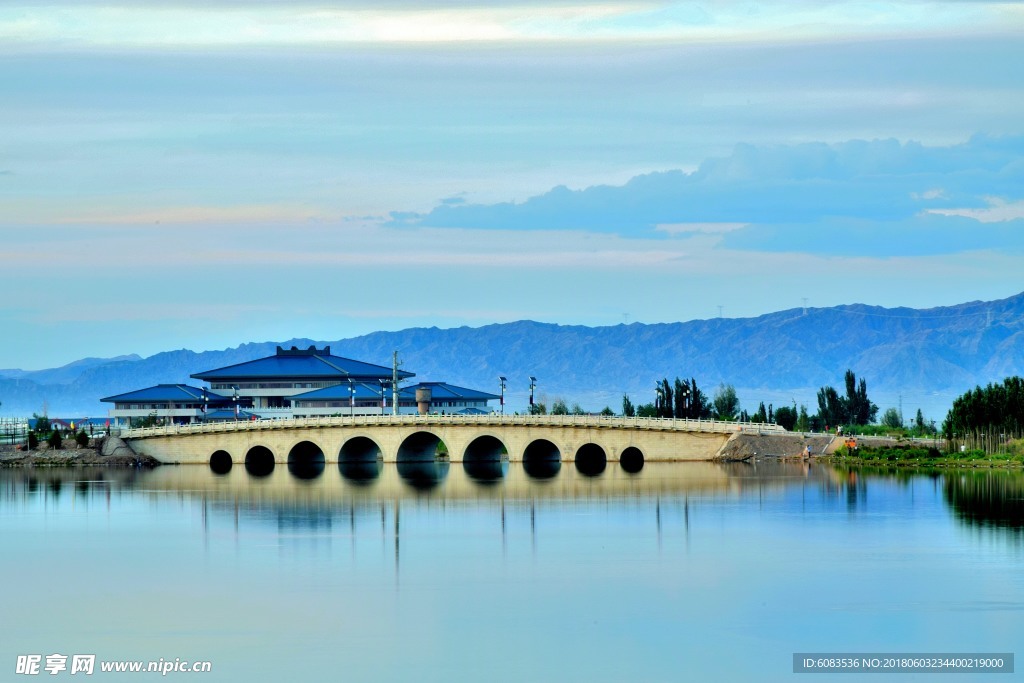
204, 174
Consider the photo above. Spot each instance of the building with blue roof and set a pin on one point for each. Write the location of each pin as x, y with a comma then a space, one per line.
171, 404
271, 382
361, 397
296, 383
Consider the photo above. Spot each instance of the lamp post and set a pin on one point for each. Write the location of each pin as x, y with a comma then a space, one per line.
501, 382
351, 399
383, 396
234, 398
533, 385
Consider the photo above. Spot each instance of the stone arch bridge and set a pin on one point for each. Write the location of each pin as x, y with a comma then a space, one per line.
422, 438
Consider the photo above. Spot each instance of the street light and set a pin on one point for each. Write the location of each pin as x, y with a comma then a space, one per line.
533, 385
502, 380
351, 399
383, 396
234, 398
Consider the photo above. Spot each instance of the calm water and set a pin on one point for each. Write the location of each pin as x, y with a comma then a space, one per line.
679, 572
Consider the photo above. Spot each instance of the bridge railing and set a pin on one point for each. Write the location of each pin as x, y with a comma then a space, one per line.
569, 421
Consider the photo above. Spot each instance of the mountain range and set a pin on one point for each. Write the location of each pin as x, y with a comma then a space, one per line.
917, 358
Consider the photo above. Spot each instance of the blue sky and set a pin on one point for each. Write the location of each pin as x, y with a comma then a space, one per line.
205, 174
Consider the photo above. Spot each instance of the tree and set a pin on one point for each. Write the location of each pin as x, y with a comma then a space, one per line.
891, 418
538, 408
559, 407
607, 411
786, 417
628, 410
859, 410
996, 408
803, 421
700, 406
55, 440
682, 402
43, 425
577, 409
663, 399
82, 439
646, 410
760, 415
725, 403
33, 441
831, 410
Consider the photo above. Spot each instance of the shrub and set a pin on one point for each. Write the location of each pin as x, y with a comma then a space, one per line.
33, 441
82, 439
55, 441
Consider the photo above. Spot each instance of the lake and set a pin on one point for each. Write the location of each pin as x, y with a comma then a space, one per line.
689, 571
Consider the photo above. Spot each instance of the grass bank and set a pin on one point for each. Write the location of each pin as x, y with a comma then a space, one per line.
922, 456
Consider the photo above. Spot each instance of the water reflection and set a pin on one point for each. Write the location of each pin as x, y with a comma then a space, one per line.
423, 476
987, 499
306, 470
980, 499
361, 473
542, 468
591, 467
485, 471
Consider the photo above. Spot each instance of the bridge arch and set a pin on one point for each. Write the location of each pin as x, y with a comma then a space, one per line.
259, 461
631, 460
485, 447
590, 460
485, 459
360, 448
420, 446
306, 460
220, 462
542, 459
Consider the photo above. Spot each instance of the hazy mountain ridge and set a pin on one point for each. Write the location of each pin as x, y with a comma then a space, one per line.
948, 349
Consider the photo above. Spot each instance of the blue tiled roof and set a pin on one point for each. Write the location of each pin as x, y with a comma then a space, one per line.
340, 392
442, 391
166, 393
298, 363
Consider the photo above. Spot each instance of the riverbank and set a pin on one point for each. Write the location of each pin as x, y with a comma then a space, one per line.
918, 456
108, 452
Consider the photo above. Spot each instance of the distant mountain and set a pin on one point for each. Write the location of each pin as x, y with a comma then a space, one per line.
923, 357
65, 373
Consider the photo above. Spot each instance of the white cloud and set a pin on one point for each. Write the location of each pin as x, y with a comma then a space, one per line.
998, 211
132, 25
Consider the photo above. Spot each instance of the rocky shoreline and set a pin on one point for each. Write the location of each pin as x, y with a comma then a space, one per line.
109, 451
